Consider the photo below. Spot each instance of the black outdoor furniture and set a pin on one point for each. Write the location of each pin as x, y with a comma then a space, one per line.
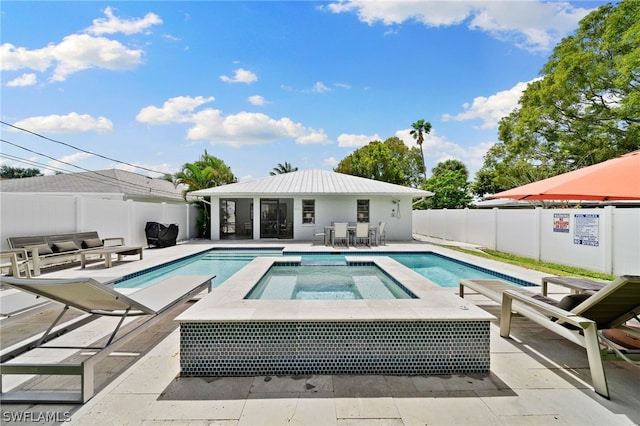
161, 235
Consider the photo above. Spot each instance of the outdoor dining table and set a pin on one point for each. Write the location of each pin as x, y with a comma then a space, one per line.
351, 230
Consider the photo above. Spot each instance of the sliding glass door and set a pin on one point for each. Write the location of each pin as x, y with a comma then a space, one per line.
276, 218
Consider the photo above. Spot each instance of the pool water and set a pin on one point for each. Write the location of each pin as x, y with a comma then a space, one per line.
446, 272
223, 264
220, 263
324, 282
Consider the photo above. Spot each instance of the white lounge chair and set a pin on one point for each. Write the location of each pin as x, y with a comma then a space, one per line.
96, 299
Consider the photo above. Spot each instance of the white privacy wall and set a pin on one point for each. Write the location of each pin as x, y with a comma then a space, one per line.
29, 214
600, 239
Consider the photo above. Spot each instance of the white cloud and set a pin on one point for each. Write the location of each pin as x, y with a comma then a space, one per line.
173, 110
531, 25
257, 100
75, 53
24, 80
342, 85
63, 162
112, 24
15, 58
331, 161
241, 76
313, 137
319, 87
243, 128
492, 108
70, 123
78, 52
351, 140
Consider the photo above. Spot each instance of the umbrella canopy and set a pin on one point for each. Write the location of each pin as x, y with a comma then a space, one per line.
615, 179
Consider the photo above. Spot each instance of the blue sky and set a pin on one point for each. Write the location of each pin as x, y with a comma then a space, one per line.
153, 84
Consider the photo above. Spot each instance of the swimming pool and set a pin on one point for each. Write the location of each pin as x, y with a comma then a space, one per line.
327, 282
223, 263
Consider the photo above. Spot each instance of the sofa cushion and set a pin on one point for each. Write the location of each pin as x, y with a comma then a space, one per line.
42, 249
63, 246
91, 243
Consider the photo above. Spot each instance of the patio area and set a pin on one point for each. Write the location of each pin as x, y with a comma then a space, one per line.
535, 378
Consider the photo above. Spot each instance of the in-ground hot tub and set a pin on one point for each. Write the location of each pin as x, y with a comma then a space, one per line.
327, 282
435, 332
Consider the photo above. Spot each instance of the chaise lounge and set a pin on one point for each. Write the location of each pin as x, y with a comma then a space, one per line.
96, 300
593, 316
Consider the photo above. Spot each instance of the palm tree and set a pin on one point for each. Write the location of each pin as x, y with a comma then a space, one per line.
283, 168
421, 128
207, 172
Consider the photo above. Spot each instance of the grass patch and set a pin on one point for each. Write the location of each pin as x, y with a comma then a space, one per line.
546, 267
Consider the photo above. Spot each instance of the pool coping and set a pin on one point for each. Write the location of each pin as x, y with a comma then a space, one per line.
227, 302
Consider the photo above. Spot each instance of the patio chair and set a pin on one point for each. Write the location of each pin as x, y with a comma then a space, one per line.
382, 236
340, 232
609, 308
362, 233
320, 233
96, 300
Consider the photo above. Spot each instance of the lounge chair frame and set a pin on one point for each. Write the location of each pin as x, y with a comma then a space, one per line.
598, 348
540, 309
120, 305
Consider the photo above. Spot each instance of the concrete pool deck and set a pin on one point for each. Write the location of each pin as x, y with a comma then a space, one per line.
535, 378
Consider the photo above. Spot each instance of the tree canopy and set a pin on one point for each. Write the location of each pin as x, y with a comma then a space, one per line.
207, 172
450, 184
583, 110
8, 172
389, 161
283, 168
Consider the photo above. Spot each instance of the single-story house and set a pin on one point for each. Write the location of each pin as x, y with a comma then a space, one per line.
112, 184
294, 205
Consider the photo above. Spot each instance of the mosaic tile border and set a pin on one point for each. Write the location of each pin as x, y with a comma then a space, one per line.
249, 348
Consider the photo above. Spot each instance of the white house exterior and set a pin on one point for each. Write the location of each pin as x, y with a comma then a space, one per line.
293, 205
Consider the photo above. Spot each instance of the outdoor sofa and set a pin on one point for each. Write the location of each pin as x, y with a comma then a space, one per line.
46, 250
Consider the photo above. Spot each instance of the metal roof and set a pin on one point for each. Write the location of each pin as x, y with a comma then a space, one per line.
311, 182
112, 181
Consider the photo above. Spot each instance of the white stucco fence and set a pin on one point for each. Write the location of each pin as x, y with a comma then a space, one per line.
601, 239
28, 214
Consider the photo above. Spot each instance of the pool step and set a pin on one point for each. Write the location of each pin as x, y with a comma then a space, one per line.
323, 263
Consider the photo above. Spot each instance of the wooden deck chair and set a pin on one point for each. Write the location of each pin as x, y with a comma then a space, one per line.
609, 308
95, 299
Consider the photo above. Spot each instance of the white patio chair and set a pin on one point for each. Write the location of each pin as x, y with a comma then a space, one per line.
362, 233
340, 232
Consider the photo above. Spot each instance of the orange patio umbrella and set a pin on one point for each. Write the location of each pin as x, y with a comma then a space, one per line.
615, 179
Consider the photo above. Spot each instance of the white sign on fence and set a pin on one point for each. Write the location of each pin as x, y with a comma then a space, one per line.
586, 229
561, 222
